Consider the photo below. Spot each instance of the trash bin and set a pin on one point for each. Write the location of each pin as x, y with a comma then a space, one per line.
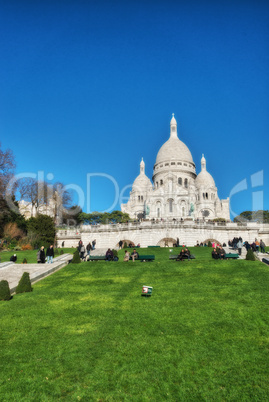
147, 290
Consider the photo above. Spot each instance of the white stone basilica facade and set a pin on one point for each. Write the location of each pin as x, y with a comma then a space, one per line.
177, 191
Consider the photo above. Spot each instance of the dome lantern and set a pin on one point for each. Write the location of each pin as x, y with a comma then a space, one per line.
173, 127
203, 163
142, 167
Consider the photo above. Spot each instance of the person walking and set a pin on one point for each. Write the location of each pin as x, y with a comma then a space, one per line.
262, 246
41, 258
239, 246
88, 248
93, 244
82, 252
50, 254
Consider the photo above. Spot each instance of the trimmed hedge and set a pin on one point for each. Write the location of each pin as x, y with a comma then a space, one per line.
76, 258
4, 290
250, 255
24, 284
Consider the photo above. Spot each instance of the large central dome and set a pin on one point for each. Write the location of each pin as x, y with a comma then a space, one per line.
174, 149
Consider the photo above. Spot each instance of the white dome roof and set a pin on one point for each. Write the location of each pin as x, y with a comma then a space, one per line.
142, 182
204, 179
174, 149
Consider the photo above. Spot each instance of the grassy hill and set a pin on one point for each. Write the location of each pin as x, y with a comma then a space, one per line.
85, 332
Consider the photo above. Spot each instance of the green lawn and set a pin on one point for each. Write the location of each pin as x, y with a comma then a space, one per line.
85, 333
30, 255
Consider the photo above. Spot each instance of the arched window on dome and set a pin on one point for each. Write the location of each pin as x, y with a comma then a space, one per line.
141, 197
183, 211
157, 184
212, 196
179, 180
161, 182
186, 183
206, 196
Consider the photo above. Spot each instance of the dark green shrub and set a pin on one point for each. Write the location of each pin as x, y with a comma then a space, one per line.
115, 252
24, 261
24, 284
61, 252
4, 291
56, 251
209, 244
125, 245
250, 255
76, 258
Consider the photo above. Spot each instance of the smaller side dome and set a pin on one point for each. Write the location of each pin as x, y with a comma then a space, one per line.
142, 182
204, 179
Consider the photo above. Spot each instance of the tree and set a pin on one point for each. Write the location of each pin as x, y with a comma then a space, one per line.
72, 216
42, 228
7, 168
45, 198
103, 217
253, 216
12, 231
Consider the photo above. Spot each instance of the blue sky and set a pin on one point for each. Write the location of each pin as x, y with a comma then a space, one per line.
90, 87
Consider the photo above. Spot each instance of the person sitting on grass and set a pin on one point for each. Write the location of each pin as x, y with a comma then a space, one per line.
109, 255
187, 254
134, 255
126, 256
215, 254
221, 252
13, 258
180, 256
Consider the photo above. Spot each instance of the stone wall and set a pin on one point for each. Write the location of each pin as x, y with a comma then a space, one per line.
149, 234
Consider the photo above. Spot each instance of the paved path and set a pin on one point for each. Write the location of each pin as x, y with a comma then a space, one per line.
99, 251
13, 272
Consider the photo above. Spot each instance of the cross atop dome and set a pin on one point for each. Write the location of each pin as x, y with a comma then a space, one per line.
173, 127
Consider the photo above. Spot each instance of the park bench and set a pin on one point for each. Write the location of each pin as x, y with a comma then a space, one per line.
97, 258
144, 258
231, 255
174, 257
101, 258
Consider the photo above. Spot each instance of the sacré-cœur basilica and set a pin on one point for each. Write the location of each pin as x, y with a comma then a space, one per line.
178, 205
177, 191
